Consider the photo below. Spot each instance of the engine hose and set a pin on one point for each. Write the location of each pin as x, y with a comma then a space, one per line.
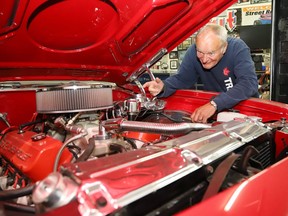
18, 207
151, 127
31, 123
13, 194
59, 154
6, 130
117, 148
88, 151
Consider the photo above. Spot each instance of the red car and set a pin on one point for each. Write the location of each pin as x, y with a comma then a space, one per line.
263, 19
80, 136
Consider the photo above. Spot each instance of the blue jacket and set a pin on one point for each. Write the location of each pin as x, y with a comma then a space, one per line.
234, 76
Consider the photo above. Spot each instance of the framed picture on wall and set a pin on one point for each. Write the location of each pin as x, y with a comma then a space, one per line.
173, 55
180, 47
173, 64
164, 66
187, 43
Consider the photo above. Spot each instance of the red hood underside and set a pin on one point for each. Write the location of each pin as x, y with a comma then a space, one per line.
93, 39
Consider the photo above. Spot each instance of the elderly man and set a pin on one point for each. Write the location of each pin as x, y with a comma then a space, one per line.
223, 64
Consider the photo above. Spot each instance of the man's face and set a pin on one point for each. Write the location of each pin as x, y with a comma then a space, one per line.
210, 49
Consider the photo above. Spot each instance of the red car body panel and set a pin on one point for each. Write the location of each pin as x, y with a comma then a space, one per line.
254, 197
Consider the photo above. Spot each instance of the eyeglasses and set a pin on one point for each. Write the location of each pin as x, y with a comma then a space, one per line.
209, 54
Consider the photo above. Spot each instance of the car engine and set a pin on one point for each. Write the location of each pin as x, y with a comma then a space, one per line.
85, 150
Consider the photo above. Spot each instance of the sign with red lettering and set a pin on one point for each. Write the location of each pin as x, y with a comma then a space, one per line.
256, 15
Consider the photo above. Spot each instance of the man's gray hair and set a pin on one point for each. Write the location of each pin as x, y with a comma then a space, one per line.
217, 29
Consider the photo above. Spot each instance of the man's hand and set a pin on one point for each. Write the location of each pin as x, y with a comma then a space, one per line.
154, 87
202, 113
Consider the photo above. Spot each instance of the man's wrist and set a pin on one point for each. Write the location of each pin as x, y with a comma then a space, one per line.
213, 104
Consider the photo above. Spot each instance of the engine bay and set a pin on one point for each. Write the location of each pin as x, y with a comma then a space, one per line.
104, 150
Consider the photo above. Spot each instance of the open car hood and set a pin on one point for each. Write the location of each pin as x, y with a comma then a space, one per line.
94, 39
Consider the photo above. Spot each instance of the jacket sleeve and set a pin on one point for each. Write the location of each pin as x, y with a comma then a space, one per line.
186, 76
246, 84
